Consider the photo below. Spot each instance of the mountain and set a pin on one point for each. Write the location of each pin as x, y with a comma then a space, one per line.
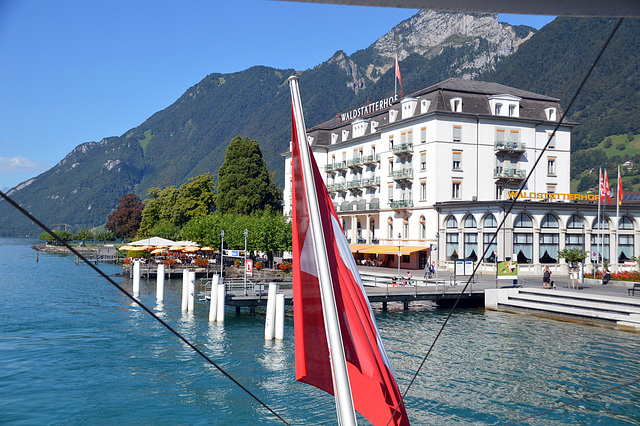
190, 136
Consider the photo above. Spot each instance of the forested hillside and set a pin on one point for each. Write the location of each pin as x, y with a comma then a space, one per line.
190, 137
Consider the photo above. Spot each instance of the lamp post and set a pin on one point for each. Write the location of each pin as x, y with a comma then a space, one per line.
246, 234
221, 254
399, 236
437, 255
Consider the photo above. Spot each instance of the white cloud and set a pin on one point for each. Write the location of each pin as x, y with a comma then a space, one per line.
20, 164
8, 142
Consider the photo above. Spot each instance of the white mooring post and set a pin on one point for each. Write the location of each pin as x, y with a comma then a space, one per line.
279, 316
221, 299
136, 277
160, 283
214, 298
185, 289
270, 320
192, 291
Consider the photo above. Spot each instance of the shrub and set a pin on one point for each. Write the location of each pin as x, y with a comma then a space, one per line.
237, 262
259, 265
201, 262
285, 266
126, 261
169, 262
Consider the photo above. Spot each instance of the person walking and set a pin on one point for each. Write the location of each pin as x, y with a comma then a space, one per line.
546, 278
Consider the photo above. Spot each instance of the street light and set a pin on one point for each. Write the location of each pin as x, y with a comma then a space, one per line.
246, 234
399, 236
221, 254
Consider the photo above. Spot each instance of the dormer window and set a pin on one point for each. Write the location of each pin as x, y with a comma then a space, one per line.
345, 135
334, 138
456, 104
359, 128
424, 106
408, 107
374, 126
310, 140
550, 113
505, 105
392, 115
498, 109
512, 111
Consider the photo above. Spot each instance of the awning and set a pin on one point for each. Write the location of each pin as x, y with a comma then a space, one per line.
387, 249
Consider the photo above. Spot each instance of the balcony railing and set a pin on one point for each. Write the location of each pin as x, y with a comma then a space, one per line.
355, 163
336, 187
401, 204
355, 183
374, 181
510, 146
335, 166
370, 159
509, 173
402, 174
403, 148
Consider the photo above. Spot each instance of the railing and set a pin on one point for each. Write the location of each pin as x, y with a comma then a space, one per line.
354, 163
509, 173
335, 166
355, 183
371, 181
509, 146
368, 159
335, 187
401, 204
401, 148
403, 174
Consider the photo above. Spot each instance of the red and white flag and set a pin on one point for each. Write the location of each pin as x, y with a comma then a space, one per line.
602, 194
374, 390
398, 72
607, 191
619, 188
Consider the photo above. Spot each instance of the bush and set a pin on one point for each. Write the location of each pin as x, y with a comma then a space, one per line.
237, 262
259, 265
285, 266
201, 262
168, 263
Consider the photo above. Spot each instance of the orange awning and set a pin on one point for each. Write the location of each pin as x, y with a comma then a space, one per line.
388, 249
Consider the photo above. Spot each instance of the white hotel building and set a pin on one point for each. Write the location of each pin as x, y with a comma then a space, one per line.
436, 169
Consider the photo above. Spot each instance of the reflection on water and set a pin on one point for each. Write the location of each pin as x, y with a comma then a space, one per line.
92, 356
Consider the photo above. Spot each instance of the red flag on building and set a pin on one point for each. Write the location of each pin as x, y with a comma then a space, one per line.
602, 194
398, 72
619, 188
374, 390
607, 191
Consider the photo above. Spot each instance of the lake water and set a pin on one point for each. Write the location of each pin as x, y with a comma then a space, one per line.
75, 351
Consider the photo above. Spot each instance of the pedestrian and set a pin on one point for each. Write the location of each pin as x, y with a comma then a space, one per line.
427, 271
606, 277
409, 276
546, 278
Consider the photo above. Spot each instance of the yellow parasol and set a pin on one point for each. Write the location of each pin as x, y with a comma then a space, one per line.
176, 248
191, 249
158, 251
207, 248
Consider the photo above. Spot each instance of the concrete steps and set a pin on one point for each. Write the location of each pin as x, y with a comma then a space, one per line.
612, 311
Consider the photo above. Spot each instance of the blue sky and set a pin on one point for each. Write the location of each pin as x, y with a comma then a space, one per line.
75, 71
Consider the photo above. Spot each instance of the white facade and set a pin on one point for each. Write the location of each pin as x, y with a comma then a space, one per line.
457, 148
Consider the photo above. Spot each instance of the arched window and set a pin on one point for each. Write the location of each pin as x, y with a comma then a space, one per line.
490, 221
423, 228
470, 222
452, 222
601, 223
390, 228
523, 220
405, 227
359, 232
625, 223
549, 221
575, 222
523, 241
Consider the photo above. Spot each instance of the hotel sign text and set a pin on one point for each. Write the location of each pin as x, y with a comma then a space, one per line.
367, 109
554, 196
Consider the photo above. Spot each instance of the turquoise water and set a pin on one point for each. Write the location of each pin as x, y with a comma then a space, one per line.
75, 351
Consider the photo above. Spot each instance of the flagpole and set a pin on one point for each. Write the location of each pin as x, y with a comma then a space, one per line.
600, 190
342, 388
618, 221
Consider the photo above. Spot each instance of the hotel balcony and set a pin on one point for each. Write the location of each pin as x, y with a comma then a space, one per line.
403, 174
374, 181
336, 187
335, 166
502, 146
355, 163
355, 183
358, 206
401, 204
371, 159
403, 148
509, 173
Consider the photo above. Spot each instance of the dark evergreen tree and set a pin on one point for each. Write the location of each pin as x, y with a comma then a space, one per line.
244, 183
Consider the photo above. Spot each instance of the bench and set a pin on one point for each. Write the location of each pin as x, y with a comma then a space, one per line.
632, 290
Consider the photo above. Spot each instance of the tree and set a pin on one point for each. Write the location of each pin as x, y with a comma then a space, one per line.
83, 235
167, 210
244, 182
125, 220
64, 236
572, 256
105, 236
